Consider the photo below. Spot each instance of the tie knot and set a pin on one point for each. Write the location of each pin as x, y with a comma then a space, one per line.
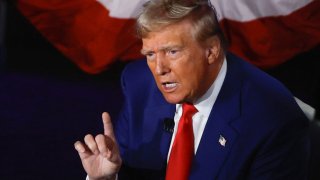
188, 110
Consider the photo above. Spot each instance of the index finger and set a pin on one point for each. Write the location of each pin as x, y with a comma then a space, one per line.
107, 125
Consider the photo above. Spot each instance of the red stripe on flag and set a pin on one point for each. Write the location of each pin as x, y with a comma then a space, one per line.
270, 41
83, 31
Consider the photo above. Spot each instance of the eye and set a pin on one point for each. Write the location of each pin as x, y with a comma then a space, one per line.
173, 52
150, 56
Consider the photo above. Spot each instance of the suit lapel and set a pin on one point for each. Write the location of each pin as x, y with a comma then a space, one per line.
219, 135
156, 140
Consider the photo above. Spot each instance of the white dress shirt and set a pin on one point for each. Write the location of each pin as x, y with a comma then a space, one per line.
204, 106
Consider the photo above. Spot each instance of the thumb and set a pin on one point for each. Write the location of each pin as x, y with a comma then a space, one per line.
107, 125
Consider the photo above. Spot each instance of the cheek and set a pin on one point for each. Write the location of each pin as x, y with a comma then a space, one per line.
188, 80
184, 71
195, 78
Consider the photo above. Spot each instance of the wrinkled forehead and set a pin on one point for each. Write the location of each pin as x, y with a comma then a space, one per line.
165, 39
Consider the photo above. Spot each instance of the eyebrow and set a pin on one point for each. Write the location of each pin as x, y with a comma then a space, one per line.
144, 52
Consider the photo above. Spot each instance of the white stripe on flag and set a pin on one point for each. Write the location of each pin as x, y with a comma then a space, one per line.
123, 8
247, 10
238, 10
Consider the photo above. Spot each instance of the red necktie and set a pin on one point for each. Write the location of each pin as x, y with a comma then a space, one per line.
182, 151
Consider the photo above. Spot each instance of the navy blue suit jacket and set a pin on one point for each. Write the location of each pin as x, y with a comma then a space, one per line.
265, 130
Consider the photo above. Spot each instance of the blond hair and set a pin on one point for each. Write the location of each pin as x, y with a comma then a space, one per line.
157, 14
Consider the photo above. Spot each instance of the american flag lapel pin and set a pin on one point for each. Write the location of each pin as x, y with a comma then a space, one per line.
222, 141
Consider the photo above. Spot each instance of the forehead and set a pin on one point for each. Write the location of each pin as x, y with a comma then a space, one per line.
175, 34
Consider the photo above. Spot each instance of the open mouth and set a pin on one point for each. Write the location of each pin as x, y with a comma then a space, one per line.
169, 86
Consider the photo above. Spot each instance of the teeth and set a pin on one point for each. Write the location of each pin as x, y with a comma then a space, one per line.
170, 85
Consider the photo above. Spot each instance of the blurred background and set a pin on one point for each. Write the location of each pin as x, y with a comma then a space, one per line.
61, 61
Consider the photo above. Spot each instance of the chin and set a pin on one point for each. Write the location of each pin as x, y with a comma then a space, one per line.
173, 99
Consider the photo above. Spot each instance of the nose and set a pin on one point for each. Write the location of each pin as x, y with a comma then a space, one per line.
162, 66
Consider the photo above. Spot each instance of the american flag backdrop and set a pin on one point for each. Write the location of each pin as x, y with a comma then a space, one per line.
96, 33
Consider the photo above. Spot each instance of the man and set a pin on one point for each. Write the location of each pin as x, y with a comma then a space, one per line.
244, 124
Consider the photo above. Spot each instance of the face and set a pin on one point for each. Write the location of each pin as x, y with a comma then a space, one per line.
183, 68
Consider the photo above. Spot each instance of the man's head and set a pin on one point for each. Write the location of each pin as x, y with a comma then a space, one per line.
184, 47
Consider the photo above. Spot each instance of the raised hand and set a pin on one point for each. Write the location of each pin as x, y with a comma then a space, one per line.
100, 155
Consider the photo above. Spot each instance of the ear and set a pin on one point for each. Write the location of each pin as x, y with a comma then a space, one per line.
213, 49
